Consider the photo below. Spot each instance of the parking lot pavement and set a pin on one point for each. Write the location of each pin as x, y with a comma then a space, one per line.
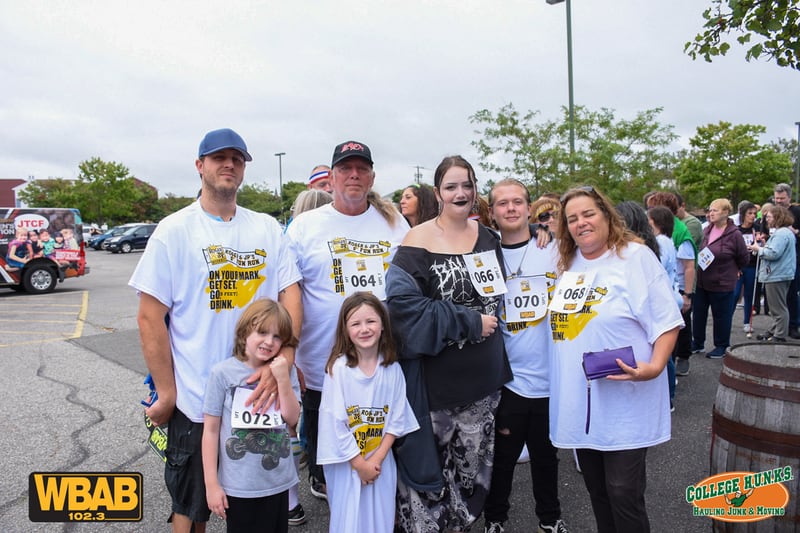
73, 405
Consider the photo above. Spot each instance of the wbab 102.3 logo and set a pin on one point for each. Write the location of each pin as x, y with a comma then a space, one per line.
741, 496
81, 497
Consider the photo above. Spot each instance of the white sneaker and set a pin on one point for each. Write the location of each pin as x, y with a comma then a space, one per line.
524, 457
747, 328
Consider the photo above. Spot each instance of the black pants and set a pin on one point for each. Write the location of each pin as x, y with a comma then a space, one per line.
683, 346
268, 514
521, 421
616, 482
311, 401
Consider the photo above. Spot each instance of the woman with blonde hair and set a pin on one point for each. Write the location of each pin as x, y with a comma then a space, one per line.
723, 254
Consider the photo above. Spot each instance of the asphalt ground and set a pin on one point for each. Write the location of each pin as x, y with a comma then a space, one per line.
72, 376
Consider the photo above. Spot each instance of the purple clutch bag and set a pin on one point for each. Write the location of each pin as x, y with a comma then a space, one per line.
598, 365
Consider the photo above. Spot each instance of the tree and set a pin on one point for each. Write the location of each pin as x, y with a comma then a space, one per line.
258, 198
774, 23
53, 192
624, 158
168, 205
109, 194
728, 161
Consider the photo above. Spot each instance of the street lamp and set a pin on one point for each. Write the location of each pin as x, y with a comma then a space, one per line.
571, 95
280, 155
797, 167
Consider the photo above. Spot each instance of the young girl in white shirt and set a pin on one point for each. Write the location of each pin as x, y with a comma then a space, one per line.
363, 410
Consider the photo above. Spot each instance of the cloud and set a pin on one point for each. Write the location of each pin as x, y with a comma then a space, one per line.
140, 83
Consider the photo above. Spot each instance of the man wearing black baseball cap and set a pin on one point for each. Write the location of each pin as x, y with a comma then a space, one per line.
203, 265
341, 248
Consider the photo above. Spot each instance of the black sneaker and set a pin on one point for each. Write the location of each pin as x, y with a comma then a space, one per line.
318, 488
558, 527
297, 515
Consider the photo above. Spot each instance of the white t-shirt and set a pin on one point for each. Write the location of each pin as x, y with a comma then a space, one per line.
528, 343
337, 254
355, 413
206, 272
625, 308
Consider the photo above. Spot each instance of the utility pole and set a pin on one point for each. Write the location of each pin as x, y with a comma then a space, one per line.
280, 155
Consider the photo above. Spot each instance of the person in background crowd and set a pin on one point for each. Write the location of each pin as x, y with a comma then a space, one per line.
180, 276
545, 211
687, 259
480, 212
320, 179
523, 414
745, 285
444, 307
662, 222
610, 296
340, 248
692, 223
722, 256
777, 269
418, 204
762, 234
782, 194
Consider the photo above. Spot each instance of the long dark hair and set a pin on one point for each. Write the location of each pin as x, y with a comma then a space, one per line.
426, 201
344, 346
636, 220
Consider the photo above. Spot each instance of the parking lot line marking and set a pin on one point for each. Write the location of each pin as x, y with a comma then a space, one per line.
81, 316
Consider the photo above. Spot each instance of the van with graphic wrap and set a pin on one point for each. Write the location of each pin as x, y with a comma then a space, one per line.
40, 247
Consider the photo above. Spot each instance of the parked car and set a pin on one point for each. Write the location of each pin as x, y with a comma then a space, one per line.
134, 238
97, 242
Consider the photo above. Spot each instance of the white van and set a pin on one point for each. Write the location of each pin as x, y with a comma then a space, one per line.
40, 247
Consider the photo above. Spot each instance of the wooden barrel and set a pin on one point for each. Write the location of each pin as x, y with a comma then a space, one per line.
756, 423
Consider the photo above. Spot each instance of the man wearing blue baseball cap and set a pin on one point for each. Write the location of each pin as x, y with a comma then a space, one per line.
202, 267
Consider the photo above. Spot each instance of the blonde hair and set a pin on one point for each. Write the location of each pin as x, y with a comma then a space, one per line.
722, 204
255, 318
310, 199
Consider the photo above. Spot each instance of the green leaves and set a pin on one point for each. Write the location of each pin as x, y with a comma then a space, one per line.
729, 161
775, 22
623, 157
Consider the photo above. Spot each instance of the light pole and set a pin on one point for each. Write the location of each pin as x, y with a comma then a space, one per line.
280, 155
571, 95
797, 167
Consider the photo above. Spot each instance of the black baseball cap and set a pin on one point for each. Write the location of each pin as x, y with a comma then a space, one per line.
351, 149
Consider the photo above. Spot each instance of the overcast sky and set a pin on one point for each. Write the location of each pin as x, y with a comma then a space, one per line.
141, 82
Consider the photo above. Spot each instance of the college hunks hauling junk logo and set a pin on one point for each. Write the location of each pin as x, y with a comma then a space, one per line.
741, 496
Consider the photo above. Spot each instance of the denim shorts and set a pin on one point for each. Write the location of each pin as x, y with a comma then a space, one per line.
183, 472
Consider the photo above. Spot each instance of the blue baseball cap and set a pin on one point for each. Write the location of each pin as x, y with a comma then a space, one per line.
217, 140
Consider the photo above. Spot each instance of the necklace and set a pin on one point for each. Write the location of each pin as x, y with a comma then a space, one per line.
518, 272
